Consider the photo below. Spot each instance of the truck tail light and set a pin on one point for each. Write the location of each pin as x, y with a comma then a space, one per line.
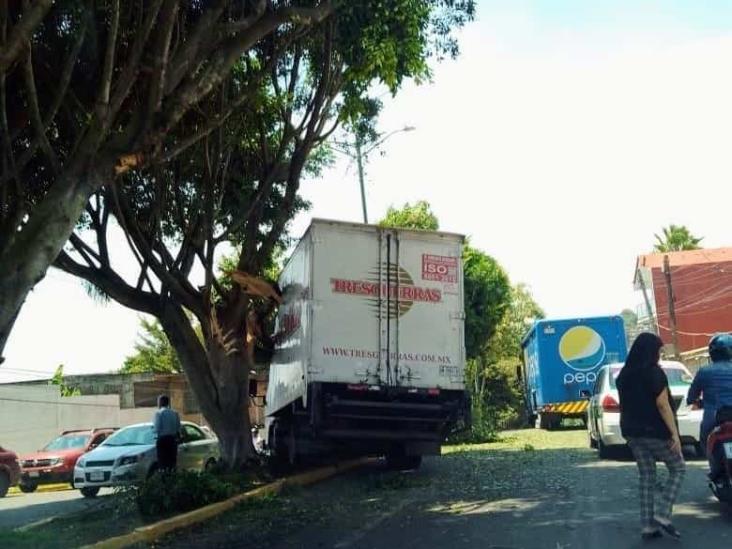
433, 392
360, 388
609, 404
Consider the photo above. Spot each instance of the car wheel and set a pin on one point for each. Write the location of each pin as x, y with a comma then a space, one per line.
28, 488
210, 466
593, 442
90, 491
4, 483
603, 451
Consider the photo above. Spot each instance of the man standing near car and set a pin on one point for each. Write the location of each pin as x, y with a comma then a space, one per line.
167, 427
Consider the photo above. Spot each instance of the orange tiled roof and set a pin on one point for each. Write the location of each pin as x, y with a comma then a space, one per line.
690, 257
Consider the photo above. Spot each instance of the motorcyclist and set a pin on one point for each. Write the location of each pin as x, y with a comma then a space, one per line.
713, 384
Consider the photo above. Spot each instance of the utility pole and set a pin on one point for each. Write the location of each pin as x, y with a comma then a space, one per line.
671, 307
649, 309
359, 163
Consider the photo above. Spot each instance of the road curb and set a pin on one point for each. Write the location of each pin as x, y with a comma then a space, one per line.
43, 488
152, 532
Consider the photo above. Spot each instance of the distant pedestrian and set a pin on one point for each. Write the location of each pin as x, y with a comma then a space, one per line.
167, 428
648, 423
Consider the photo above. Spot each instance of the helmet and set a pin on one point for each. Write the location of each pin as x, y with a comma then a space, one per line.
720, 347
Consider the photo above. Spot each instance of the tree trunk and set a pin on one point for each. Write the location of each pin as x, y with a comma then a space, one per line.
26, 255
219, 378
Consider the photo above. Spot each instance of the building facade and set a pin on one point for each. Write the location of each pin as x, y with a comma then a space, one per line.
701, 285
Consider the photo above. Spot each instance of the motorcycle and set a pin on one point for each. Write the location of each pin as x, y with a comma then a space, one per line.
719, 446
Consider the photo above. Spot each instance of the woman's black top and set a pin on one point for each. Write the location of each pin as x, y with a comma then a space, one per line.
638, 389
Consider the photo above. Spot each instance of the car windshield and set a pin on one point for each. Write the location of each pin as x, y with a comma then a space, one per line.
67, 442
675, 376
132, 436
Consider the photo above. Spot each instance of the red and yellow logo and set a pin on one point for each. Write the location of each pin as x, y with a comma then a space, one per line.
391, 287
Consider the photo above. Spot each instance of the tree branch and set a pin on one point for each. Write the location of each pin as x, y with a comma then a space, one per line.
108, 70
128, 75
35, 114
20, 35
111, 284
160, 57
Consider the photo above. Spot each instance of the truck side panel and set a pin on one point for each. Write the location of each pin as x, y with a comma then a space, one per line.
293, 331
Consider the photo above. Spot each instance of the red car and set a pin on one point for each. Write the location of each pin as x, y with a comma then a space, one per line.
55, 462
9, 470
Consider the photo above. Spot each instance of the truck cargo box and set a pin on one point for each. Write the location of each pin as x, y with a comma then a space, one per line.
561, 359
371, 324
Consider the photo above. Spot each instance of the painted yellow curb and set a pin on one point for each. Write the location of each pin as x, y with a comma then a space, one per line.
151, 532
44, 488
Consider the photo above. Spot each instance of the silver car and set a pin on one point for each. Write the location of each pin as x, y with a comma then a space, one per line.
129, 456
603, 411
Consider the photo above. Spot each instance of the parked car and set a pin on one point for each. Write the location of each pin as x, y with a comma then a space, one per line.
603, 412
9, 470
130, 456
55, 462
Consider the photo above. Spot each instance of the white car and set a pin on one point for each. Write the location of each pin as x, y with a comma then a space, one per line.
129, 456
603, 411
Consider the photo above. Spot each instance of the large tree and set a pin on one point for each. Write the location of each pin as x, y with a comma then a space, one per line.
92, 90
237, 187
676, 238
417, 216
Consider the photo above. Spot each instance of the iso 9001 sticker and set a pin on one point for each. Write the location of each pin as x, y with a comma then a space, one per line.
449, 371
440, 268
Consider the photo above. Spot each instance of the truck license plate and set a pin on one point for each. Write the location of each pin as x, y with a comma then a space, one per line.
728, 450
96, 475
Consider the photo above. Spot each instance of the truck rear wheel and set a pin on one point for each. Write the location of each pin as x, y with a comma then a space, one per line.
400, 462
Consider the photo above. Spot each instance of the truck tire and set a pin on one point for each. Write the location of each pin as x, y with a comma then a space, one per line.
283, 448
4, 483
400, 462
28, 488
546, 421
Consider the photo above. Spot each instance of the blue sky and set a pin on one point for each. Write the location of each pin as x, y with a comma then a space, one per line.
564, 136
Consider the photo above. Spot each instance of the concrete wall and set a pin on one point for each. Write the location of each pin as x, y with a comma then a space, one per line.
30, 416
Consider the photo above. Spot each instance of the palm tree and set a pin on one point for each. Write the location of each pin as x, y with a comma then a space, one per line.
676, 238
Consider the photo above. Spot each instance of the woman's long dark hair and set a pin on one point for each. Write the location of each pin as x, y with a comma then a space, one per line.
644, 351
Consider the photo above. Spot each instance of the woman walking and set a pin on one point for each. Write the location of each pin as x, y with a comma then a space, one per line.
648, 423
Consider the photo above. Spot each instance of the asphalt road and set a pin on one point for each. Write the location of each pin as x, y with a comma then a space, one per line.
542, 490
18, 509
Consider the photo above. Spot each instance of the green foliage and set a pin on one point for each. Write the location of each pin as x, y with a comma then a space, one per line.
64, 389
168, 493
676, 238
153, 352
487, 297
419, 216
520, 315
492, 376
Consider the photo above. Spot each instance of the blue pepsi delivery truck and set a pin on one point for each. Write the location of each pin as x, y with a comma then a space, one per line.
561, 359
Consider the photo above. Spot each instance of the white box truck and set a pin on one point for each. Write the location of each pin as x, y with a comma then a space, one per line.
370, 349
